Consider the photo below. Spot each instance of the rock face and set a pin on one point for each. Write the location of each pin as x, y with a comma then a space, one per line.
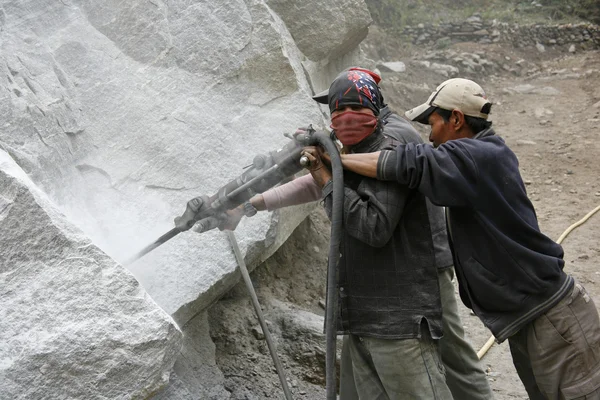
75, 324
121, 112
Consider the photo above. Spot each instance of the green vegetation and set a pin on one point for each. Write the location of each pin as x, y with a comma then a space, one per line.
395, 14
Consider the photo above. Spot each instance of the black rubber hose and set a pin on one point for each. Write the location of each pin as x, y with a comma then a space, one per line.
337, 215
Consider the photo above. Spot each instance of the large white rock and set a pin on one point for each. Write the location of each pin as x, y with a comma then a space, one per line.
75, 324
122, 111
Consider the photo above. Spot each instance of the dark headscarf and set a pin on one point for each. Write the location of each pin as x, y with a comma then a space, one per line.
355, 87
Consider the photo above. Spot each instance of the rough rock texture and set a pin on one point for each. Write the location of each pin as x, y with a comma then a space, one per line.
75, 324
123, 111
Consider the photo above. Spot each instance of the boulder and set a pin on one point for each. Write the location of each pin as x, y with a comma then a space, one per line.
122, 114
75, 324
324, 29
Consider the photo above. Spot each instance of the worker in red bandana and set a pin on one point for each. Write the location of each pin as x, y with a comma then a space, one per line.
388, 292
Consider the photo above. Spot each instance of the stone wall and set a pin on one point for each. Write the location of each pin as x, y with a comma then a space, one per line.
475, 29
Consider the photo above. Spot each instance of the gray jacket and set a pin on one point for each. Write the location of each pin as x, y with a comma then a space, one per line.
401, 130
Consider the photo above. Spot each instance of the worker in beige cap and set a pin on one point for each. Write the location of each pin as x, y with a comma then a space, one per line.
509, 273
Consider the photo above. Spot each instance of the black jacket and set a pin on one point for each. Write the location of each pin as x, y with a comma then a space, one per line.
387, 282
509, 273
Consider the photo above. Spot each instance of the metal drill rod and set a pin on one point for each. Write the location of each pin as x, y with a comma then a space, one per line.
167, 236
259, 314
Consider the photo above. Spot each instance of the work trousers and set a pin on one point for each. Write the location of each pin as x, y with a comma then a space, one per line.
398, 369
464, 375
557, 356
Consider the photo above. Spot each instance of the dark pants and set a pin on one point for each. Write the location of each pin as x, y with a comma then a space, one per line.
557, 356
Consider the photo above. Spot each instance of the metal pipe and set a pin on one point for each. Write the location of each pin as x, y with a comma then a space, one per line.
259, 314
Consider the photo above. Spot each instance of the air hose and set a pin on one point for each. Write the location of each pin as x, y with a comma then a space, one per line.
488, 345
337, 215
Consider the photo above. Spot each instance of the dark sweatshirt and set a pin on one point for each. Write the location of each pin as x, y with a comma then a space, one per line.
509, 273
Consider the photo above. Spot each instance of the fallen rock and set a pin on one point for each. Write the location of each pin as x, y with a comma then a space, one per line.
540, 47
392, 66
75, 324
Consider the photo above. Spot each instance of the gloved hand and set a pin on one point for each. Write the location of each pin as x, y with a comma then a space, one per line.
192, 213
232, 218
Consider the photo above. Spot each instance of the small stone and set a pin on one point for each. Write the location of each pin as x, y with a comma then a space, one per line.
322, 304
527, 182
526, 142
544, 122
258, 333
393, 66
540, 47
597, 194
572, 48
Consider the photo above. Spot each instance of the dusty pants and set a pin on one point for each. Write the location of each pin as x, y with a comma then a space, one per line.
395, 369
557, 356
464, 375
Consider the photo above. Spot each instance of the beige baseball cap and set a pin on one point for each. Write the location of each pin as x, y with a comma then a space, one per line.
457, 93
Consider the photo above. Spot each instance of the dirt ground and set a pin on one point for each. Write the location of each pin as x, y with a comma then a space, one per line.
553, 129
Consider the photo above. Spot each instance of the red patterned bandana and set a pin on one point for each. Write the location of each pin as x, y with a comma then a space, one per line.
355, 87
352, 127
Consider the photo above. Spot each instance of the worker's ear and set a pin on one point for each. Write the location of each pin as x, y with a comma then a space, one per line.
457, 120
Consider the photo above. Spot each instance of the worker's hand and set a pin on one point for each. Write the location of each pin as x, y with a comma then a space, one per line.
318, 170
324, 156
191, 214
232, 219
301, 131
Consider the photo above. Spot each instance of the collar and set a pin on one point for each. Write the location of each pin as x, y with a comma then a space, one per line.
370, 143
484, 133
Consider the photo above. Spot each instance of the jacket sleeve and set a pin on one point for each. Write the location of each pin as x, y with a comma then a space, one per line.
447, 175
372, 208
372, 211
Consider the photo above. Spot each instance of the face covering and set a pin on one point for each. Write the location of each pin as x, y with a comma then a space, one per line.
351, 127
